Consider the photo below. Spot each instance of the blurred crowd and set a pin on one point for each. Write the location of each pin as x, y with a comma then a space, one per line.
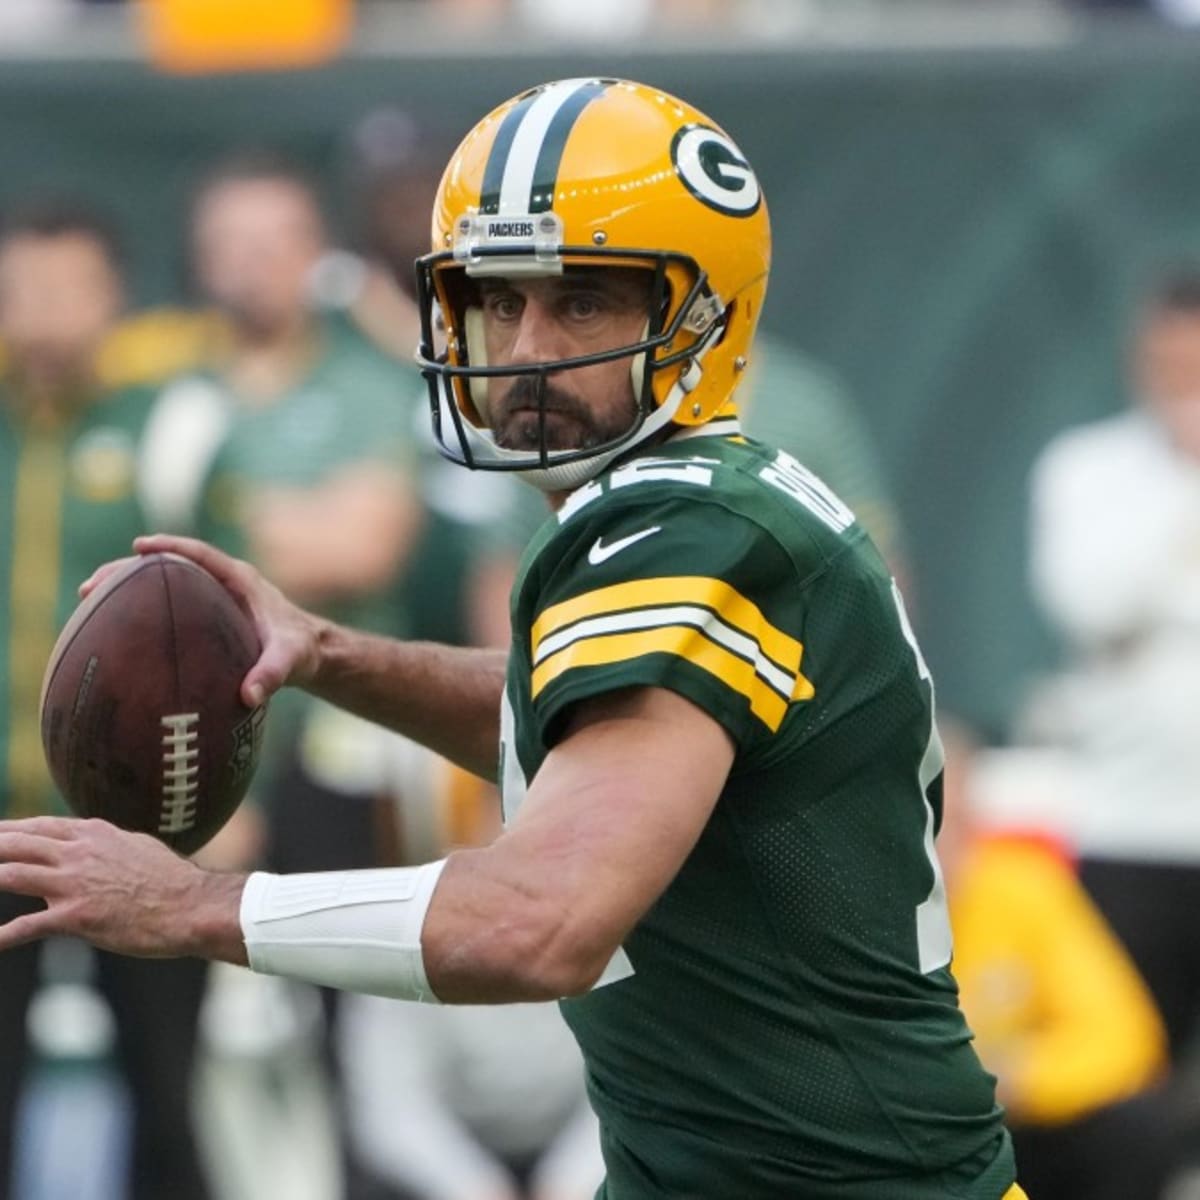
278, 414
621, 17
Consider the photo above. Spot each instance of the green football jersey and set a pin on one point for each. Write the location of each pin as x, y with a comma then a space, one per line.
783, 1021
68, 502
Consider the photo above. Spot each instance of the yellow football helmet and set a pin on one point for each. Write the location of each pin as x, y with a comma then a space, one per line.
596, 172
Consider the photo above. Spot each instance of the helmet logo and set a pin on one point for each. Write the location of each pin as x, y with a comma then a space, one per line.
715, 171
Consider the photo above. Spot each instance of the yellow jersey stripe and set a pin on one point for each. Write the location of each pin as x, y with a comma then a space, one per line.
37, 522
730, 605
704, 619
686, 642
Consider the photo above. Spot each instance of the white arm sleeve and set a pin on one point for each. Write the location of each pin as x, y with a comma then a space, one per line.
355, 930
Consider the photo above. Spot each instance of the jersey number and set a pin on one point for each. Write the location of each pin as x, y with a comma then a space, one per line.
935, 944
791, 476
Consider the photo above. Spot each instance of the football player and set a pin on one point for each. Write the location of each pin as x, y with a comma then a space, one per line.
720, 768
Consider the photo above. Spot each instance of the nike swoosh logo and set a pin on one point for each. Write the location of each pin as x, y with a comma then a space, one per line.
600, 553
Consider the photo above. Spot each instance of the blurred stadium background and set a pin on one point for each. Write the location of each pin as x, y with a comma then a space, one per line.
966, 197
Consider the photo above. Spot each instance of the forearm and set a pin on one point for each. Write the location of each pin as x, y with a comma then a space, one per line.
445, 697
474, 937
497, 932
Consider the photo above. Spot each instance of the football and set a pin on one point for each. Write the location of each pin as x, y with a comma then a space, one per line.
141, 719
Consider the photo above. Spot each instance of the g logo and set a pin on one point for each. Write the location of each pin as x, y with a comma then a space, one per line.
715, 171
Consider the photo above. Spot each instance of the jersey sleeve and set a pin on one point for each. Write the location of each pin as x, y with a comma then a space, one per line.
681, 594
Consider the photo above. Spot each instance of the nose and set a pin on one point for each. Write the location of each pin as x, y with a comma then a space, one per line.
538, 336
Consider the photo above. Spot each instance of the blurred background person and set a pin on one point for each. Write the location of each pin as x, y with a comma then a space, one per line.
292, 446
68, 501
470, 1103
1115, 546
1059, 1011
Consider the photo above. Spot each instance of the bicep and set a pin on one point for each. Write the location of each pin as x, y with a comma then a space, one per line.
620, 801
608, 821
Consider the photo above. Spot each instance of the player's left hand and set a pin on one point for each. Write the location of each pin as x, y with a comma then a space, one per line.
121, 891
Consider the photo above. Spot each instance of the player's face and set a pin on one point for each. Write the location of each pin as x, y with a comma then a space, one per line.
255, 244
59, 296
529, 321
1168, 370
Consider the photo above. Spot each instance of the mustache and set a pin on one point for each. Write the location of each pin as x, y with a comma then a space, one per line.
537, 392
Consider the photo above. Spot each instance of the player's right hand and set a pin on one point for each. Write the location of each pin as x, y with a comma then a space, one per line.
289, 635
124, 892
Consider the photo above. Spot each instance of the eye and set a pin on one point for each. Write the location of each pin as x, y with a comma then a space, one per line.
583, 306
503, 306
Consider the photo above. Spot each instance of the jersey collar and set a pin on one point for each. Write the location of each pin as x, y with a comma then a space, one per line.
719, 427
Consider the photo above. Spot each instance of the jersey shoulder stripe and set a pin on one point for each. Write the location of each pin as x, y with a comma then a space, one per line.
704, 620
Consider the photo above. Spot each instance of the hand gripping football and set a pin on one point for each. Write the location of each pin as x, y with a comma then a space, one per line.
142, 723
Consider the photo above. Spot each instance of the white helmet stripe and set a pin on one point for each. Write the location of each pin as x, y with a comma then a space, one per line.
520, 169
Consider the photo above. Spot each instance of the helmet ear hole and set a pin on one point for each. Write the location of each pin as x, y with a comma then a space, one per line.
476, 354
727, 318
637, 369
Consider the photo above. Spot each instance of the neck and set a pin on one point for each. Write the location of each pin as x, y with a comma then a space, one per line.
262, 365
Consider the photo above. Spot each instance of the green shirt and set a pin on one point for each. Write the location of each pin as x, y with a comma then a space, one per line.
790, 1027
68, 502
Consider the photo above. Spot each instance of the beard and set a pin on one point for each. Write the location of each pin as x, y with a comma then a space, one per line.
536, 413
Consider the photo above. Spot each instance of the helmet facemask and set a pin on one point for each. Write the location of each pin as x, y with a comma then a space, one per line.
683, 319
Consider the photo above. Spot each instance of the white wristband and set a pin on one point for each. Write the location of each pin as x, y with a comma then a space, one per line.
355, 930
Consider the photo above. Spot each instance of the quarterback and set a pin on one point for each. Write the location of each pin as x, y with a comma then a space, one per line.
714, 730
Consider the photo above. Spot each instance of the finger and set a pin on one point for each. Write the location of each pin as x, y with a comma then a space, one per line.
29, 928
267, 675
62, 829
25, 880
101, 573
28, 848
218, 564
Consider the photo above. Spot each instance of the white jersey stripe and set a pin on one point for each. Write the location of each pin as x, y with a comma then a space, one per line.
703, 619
517, 183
